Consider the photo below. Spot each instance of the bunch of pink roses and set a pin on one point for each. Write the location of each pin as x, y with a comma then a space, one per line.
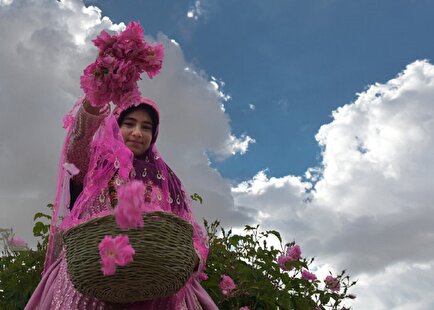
128, 215
122, 58
293, 253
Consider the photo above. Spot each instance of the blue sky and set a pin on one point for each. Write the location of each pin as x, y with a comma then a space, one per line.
295, 61
339, 85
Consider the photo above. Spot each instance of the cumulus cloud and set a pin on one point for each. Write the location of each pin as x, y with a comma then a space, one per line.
48, 46
369, 206
238, 145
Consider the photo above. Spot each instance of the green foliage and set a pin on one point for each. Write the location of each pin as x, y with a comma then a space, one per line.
19, 276
261, 282
42, 230
20, 270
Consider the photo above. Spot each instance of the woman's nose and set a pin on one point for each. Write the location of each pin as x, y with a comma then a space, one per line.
137, 132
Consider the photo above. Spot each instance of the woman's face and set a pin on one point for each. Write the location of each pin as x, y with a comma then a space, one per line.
136, 129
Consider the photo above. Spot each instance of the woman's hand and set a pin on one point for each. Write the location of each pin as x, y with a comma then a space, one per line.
91, 109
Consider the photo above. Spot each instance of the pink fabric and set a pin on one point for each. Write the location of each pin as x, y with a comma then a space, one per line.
108, 158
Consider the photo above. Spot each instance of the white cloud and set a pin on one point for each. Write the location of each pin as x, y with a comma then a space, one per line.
196, 11
48, 46
239, 145
370, 208
217, 85
5, 2
401, 286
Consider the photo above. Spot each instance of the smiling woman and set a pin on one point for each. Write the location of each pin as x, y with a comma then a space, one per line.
110, 150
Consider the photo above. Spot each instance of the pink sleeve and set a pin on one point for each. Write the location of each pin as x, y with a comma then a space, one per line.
77, 151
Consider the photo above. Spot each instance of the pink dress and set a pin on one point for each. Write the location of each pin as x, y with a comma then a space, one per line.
56, 291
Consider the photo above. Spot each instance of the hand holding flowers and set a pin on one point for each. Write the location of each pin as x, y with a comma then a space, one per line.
122, 58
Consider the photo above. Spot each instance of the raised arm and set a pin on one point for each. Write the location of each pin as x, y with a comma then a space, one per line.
86, 122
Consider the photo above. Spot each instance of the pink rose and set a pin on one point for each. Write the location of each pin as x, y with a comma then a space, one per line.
130, 97
129, 211
133, 32
306, 275
244, 308
154, 59
294, 252
202, 276
227, 285
104, 42
17, 242
115, 251
332, 283
282, 260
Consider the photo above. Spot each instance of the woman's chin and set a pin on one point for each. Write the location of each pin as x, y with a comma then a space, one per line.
136, 152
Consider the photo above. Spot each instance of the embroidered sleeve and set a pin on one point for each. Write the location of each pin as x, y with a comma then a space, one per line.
85, 125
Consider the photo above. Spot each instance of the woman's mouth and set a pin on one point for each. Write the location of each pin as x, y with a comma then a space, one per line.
135, 143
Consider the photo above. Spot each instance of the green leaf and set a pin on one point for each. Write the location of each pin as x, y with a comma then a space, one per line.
325, 298
196, 197
248, 227
40, 214
38, 229
276, 233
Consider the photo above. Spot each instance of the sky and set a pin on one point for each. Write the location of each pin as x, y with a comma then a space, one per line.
315, 118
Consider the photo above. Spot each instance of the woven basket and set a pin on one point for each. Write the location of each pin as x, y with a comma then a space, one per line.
163, 261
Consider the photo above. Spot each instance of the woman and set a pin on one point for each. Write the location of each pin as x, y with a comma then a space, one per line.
109, 149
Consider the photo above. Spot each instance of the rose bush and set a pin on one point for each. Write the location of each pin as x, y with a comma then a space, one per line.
263, 277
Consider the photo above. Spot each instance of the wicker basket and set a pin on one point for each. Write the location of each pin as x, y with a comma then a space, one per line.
164, 258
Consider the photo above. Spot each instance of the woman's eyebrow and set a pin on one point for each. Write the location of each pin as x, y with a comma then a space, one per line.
129, 118
147, 122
